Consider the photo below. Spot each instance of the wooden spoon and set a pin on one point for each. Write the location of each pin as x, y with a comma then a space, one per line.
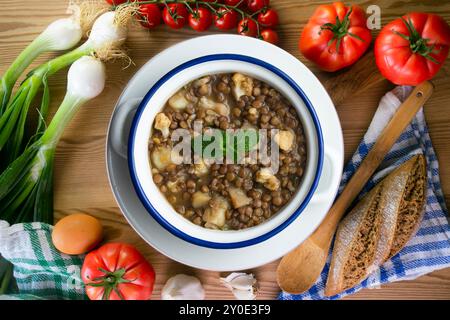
300, 268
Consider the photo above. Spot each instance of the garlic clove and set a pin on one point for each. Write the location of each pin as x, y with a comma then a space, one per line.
244, 294
242, 285
183, 287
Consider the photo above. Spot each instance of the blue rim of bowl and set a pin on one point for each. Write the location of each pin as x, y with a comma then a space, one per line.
146, 202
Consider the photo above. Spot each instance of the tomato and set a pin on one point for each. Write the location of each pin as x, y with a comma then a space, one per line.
226, 19
247, 27
200, 19
150, 15
117, 271
270, 36
175, 15
412, 49
335, 36
256, 5
268, 18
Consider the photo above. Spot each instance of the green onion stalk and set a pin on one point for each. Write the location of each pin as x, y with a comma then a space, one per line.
108, 33
61, 34
26, 186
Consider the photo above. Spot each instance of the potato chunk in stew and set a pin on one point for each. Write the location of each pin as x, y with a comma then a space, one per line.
178, 101
285, 139
162, 123
161, 157
200, 199
268, 179
238, 197
216, 213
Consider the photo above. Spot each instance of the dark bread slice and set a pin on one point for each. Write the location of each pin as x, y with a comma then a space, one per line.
355, 244
379, 226
411, 207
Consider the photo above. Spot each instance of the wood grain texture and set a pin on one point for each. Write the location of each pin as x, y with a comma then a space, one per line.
81, 184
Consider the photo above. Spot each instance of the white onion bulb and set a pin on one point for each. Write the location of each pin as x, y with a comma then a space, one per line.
86, 78
105, 32
62, 34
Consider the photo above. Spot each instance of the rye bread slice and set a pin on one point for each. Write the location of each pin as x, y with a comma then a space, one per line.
412, 205
355, 244
404, 190
379, 226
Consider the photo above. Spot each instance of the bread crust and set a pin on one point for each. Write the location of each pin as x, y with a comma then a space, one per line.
347, 237
390, 196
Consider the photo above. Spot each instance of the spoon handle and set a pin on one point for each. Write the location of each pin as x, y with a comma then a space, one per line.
403, 116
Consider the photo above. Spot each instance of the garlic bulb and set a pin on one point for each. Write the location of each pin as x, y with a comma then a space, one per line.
183, 287
242, 285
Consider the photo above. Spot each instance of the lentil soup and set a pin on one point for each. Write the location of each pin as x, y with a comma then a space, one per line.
228, 196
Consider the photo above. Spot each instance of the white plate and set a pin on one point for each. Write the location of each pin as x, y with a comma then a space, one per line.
291, 236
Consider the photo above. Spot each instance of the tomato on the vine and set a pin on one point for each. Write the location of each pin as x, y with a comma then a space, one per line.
225, 19
175, 15
150, 15
200, 19
412, 49
270, 36
247, 27
256, 5
268, 18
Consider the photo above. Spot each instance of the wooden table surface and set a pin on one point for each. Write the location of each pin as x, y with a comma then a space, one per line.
81, 183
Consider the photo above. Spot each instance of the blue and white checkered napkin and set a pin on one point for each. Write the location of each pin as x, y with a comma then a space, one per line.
429, 249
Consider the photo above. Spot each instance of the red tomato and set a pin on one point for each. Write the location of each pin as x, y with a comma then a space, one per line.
247, 27
270, 36
117, 271
150, 15
412, 49
335, 36
200, 19
175, 15
226, 19
268, 18
256, 5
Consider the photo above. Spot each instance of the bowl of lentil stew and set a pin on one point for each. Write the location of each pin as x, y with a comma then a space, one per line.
229, 206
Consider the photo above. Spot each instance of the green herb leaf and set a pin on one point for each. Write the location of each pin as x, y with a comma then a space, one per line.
235, 144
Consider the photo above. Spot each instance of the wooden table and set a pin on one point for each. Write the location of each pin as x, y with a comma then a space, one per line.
81, 184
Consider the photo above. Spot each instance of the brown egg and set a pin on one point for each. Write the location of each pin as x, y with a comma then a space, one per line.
77, 233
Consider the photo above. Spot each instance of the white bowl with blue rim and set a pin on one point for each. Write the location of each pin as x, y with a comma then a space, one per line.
139, 104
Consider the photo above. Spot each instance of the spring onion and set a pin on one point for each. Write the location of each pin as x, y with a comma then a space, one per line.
108, 33
26, 184
61, 34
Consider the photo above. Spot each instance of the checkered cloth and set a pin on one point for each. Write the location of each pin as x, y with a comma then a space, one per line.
429, 249
41, 271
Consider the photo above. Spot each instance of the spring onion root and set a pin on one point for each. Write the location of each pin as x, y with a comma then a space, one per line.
107, 35
26, 186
